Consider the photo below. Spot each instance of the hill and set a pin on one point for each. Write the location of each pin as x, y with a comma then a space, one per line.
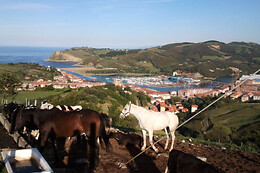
211, 58
29, 71
227, 122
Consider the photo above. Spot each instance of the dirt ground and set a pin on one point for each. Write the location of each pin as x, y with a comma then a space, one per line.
222, 159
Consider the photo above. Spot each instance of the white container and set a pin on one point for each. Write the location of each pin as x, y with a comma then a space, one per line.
26, 156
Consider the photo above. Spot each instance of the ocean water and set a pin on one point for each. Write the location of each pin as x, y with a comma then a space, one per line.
16, 54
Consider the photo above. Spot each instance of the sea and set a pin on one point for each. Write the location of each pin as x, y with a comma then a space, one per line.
17, 54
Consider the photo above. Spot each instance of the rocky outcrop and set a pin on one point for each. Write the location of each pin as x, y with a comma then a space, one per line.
59, 56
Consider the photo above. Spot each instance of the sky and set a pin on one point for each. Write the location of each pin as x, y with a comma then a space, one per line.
126, 23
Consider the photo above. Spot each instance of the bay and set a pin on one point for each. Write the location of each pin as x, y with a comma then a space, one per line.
17, 54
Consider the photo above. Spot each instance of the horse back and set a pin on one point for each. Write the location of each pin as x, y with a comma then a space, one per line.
66, 124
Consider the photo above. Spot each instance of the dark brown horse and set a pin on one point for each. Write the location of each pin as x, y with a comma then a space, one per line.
33, 118
56, 123
63, 124
67, 124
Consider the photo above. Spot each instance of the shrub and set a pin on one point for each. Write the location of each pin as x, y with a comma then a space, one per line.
218, 133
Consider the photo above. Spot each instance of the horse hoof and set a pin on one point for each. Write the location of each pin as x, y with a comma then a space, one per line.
156, 150
143, 149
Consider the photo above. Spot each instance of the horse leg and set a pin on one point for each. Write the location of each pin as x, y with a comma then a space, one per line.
43, 139
54, 147
44, 134
167, 141
144, 137
151, 141
173, 138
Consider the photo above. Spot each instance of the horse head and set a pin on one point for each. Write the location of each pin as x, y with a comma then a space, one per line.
126, 111
9, 108
18, 119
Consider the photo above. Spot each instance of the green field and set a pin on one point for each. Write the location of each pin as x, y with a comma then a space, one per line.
234, 123
33, 95
236, 115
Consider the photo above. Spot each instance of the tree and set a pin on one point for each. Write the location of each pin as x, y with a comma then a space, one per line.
8, 83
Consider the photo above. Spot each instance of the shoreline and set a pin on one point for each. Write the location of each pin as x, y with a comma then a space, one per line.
82, 71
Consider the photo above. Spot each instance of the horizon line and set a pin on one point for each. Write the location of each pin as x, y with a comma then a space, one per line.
130, 47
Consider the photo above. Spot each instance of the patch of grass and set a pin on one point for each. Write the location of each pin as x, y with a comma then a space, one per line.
211, 58
230, 146
237, 114
2, 168
33, 95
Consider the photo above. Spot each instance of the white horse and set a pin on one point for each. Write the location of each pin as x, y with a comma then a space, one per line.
150, 121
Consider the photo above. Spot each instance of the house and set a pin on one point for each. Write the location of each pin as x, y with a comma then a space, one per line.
256, 96
235, 95
245, 98
164, 95
162, 107
185, 110
173, 93
194, 108
224, 88
247, 88
190, 93
172, 108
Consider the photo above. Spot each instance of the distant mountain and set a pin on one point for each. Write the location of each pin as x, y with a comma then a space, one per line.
211, 58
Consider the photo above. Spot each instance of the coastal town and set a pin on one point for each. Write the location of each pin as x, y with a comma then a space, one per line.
248, 91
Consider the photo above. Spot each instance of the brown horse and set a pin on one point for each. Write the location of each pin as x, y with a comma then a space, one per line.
56, 123
63, 124
67, 124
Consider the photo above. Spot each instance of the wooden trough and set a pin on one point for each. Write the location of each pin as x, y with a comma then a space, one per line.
25, 160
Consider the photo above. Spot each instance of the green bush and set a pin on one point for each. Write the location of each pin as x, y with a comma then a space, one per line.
218, 133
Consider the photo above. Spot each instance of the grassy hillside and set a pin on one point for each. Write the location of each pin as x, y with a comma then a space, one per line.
211, 58
234, 122
31, 71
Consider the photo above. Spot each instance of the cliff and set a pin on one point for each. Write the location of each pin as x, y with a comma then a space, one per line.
59, 56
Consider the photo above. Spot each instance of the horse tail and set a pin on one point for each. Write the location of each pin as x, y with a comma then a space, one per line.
102, 131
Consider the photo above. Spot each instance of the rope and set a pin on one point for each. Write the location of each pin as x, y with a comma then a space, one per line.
226, 94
